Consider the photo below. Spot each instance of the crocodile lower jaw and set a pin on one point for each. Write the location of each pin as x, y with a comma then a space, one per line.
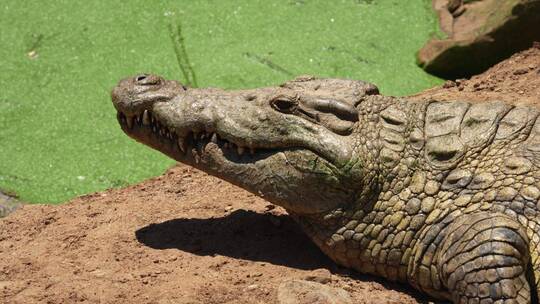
147, 128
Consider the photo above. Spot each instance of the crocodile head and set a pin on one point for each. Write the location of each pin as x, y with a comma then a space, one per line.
293, 144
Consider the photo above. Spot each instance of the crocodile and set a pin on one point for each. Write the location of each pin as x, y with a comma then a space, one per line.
443, 196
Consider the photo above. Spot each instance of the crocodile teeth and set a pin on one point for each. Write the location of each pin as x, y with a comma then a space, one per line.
214, 138
240, 150
146, 118
181, 144
129, 120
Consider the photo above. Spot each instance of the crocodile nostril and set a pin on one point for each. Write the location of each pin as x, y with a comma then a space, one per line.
147, 79
140, 78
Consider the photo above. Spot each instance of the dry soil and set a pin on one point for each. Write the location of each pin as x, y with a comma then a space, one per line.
186, 237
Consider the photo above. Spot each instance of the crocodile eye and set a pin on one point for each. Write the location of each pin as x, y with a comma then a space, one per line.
284, 104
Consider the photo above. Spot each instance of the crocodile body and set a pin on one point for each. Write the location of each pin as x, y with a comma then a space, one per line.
441, 195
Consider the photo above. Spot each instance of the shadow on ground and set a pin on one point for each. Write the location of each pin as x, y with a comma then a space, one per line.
248, 235
243, 235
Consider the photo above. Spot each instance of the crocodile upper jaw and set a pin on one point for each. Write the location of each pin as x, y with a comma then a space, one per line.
191, 146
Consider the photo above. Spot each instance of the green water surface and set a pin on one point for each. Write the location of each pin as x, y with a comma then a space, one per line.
59, 60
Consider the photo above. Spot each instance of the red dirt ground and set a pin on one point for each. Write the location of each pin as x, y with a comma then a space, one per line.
188, 238
515, 80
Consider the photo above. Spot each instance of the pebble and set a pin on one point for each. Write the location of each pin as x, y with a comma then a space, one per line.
305, 292
521, 71
321, 275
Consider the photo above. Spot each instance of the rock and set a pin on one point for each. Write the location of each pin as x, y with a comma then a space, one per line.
321, 275
8, 204
479, 34
305, 292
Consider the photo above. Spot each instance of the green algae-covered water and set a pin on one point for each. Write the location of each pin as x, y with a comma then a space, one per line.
59, 59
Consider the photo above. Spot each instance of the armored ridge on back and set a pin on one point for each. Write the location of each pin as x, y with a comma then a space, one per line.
442, 195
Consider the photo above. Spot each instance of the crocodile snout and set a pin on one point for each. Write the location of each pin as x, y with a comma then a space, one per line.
135, 94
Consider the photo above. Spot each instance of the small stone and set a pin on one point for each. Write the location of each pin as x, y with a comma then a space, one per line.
32, 54
320, 275
304, 292
449, 84
521, 71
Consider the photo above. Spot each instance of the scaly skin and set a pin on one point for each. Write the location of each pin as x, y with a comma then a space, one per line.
440, 195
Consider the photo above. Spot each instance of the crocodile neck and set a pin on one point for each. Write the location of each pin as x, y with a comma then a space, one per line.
390, 143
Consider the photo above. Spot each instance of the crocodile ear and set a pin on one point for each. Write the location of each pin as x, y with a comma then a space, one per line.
336, 115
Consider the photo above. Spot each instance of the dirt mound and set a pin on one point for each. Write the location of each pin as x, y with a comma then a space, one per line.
186, 237
515, 80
